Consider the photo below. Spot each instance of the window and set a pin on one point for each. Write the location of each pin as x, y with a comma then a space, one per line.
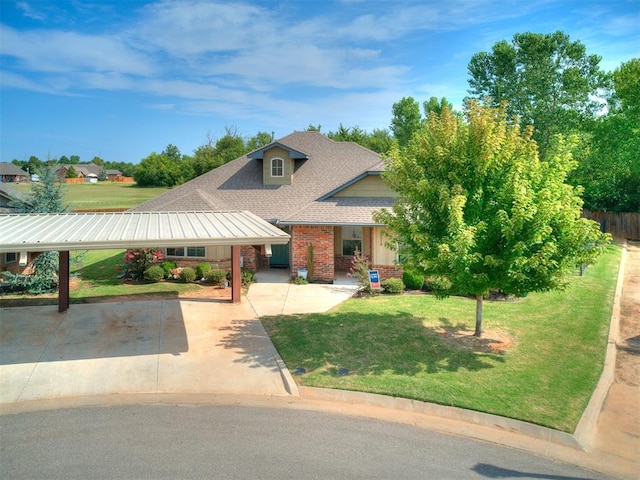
351, 240
195, 252
10, 257
190, 252
277, 167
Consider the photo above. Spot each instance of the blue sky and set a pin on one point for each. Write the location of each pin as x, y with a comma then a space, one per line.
121, 79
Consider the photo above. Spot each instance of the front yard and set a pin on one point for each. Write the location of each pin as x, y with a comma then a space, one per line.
539, 361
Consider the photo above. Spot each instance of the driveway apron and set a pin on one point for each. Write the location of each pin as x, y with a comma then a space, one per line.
168, 346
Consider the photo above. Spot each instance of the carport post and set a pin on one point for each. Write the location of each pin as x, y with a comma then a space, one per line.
236, 278
63, 281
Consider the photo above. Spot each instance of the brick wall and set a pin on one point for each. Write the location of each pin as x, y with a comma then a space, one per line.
321, 237
249, 257
388, 271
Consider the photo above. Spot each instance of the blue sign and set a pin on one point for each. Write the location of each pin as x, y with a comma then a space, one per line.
374, 279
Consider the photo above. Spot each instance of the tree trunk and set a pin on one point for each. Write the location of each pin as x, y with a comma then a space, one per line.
478, 332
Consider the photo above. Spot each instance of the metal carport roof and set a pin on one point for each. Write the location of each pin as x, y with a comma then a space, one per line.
95, 231
62, 232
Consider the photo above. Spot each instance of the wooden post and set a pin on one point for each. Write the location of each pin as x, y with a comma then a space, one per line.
63, 281
236, 277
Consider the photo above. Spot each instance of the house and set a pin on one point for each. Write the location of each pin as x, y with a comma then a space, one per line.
89, 170
321, 192
13, 262
113, 175
10, 173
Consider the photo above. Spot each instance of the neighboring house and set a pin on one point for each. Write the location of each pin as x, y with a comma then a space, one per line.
322, 192
12, 262
88, 170
10, 173
113, 175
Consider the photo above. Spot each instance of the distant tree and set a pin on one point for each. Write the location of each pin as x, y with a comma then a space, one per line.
479, 210
609, 167
259, 140
64, 160
45, 196
314, 128
71, 173
33, 165
74, 159
158, 170
230, 147
204, 159
433, 105
97, 160
352, 134
406, 120
380, 140
548, 81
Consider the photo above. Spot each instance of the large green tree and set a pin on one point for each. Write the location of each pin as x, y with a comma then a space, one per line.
548, 80
406, 120
159, 170
478, 210
609, 167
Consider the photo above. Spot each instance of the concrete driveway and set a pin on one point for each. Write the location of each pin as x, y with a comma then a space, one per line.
168, 346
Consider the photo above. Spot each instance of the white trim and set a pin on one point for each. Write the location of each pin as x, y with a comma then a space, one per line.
282, 167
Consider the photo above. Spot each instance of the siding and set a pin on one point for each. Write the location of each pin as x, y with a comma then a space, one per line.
369, 186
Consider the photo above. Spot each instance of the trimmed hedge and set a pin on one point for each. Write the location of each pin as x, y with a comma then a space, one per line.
413, 279
187, 274
153, 274
216, 275
202, 270
392, 285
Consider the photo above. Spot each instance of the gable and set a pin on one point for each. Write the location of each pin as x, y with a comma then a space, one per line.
368, 186
274, 158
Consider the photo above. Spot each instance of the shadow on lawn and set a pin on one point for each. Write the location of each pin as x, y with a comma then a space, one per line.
373, 344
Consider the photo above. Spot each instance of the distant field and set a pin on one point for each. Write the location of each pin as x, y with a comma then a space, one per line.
104, 195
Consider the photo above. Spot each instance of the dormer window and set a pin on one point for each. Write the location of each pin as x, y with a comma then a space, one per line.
277, 167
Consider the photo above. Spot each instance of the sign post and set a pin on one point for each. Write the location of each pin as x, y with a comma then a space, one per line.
374, 279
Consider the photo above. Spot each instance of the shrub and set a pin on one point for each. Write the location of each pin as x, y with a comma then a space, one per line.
393, 285
154, 274
216, 275
413, 279
360, 267
247, 276
44, 278
202, 269
167, 267
187, 274
137, 260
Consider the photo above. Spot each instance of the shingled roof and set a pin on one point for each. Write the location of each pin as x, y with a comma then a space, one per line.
238, 185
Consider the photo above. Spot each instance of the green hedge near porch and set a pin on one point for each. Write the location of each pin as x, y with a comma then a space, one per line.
411, 346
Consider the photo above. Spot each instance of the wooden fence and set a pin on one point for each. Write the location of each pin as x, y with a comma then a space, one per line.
625, 225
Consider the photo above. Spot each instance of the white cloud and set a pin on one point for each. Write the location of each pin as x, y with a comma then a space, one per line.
28, 11
58, 51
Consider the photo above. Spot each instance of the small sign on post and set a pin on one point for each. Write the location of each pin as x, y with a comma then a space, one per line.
374, 279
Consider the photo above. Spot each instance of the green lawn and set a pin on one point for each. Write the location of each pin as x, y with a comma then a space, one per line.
94, 278
104, 195
396, 345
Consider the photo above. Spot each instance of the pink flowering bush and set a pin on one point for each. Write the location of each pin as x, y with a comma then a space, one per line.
359, 270
137, 260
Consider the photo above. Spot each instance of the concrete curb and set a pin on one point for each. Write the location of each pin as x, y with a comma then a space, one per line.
585, 431
438, 412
